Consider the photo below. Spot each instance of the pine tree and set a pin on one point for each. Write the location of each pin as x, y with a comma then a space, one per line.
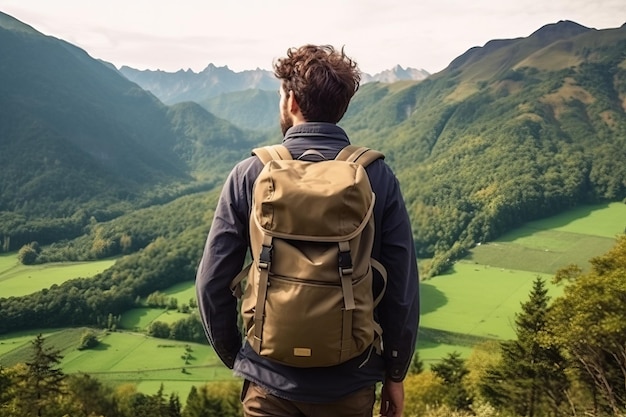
530, 378
452, 370
174, 407
42, 381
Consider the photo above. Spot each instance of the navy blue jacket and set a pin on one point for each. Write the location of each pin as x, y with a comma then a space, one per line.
225, 252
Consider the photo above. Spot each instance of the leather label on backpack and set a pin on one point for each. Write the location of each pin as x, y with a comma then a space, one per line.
301, 352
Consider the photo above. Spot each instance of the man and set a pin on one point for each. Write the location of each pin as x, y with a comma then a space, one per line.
317, 84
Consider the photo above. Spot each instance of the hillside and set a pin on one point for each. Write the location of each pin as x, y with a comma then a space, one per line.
77, 139
503, 135
500, 137
247, 99
179, 86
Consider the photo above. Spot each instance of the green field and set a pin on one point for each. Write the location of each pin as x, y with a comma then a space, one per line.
126, 357
17, 279
476, 300
139, 319
481, 295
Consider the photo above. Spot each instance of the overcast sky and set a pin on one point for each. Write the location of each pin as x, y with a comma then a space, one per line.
250, 34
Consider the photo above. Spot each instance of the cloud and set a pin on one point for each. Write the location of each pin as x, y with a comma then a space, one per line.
246, 34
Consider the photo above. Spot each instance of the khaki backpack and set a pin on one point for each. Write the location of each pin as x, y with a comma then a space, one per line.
308, 300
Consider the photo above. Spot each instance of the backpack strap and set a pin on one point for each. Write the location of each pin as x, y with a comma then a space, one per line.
359, 154
272, 152
235, 284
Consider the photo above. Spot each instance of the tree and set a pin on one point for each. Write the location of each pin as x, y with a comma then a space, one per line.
91, 397
452, 371
27, 254
421, 392
88, 340
530, 379
159, 329
215, 399
5, 384
589, 320
174, 408
484, 356
42, 381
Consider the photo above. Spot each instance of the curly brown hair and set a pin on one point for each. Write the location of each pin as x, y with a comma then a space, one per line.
323, 80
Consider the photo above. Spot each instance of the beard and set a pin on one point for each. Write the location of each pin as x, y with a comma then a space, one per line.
286, 120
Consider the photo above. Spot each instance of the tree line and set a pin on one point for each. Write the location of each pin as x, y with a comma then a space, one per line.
568, 359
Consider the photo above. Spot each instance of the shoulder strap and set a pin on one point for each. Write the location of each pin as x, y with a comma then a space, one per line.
272, 152
359, 154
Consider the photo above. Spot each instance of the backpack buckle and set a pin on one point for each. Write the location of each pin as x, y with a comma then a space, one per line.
345, 263
265, 257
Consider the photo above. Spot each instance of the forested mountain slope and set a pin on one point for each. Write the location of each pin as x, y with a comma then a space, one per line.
516, 130
77, 139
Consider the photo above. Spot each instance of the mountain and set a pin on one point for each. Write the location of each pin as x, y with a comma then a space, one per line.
248, 109
175, 87
79, 139
512, 131
516, 130
247, 99
395, 74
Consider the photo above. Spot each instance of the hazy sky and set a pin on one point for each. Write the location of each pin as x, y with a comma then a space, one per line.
250, 34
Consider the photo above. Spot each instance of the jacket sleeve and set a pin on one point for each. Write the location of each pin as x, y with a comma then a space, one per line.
399, 310
223, 257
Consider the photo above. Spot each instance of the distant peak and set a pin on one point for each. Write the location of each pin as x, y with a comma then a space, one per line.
213, 67
563, 28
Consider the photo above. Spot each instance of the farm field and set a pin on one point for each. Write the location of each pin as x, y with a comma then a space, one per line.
17, 279
481, 295
139, 319
476, 300
126, 357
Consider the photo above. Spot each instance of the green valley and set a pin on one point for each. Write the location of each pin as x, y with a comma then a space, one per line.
511, 162
475, 301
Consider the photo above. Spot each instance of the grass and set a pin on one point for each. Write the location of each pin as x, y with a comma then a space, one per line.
139, 319
475, 301
545, 251
125, 357
17, 279
606, 220
480, 296
184, 292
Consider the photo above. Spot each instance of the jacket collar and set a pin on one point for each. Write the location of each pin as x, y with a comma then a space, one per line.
316, 129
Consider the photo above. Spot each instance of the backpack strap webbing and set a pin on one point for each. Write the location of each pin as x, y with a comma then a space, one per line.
359, 154
272, 152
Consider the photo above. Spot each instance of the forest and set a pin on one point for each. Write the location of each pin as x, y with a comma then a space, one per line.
94, 167
568, 359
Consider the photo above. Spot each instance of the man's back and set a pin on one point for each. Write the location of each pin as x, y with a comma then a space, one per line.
317, 84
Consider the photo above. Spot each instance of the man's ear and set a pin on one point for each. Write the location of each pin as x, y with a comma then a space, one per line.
292, 103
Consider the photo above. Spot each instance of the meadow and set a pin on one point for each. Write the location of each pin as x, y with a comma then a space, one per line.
476, 300
17, 279
126, 358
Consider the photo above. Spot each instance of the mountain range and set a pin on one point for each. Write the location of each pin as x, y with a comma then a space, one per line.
175, 87
512, 131
248, 98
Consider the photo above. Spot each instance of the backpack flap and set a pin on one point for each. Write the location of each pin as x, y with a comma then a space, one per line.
327, 201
